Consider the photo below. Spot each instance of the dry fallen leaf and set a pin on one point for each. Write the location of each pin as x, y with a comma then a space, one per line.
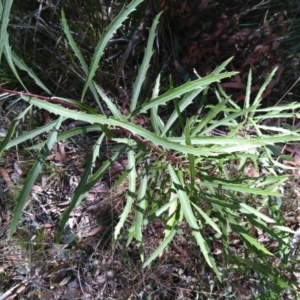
7, 178
58, 153
250, 171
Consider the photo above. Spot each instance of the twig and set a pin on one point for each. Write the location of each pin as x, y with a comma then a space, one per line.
288, 91
49, 99
12, 290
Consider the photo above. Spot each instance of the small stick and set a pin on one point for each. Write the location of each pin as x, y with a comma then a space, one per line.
49, 99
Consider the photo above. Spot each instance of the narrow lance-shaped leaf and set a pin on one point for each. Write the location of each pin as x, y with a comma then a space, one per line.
144, 66
4, 144
8, 55
32, 176
5, 12
190, 156
61, 136
181, 90
73, 44
140, 209
156, 122
208, 220
191, 219
106, 36
110, 121
263, 87
111, 106
168, 237
80, 57
130, 193
269, 272
22, 66
80, 190
183, 104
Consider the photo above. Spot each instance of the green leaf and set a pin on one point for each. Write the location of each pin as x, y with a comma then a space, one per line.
5, 12
239, 188
255, 243
139, 80
190, 218
32, 176
271, 273
250, 210
169, 235
106, 36
80, 57
208, 220
183, 104
61, 136
30, 135
130, 193
22, 66
80, 191
111, 106
190, 156
5, 144
110, 121
140, 209
8, 55
183, 89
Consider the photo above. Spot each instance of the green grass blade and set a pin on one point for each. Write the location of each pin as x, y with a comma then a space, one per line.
254, 243
263, 227
208, 118
222, 66
32, 176
101, 171
238, 188
159, 250
227, 120
263, 88
156, 122
166, 206
173, 209
215, 140
156, 87
280, 108
250, 210
248, 90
